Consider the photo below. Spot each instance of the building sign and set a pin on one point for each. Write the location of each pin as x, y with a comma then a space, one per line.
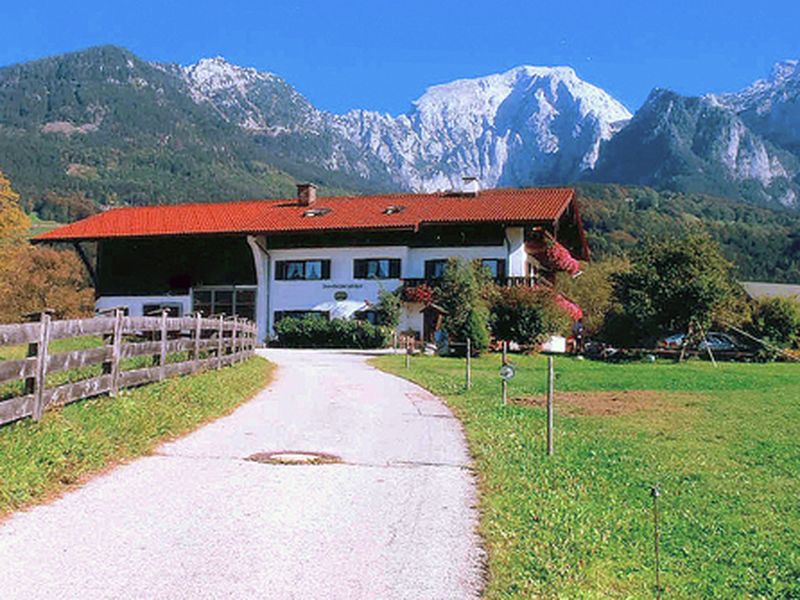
340, 296
342, 286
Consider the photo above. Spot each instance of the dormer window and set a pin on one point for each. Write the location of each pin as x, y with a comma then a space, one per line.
393, 209
316, 212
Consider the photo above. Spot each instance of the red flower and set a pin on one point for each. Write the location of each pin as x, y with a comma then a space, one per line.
422, 294
569, 307
560, 258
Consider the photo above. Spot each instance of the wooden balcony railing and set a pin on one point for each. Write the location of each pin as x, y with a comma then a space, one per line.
411, 282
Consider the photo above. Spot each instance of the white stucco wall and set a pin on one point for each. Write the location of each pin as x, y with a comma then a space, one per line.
515, 242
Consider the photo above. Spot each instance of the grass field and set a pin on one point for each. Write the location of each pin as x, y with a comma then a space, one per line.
40, 459
722, 444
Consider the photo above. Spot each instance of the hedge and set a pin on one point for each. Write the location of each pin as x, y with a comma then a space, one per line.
313, 332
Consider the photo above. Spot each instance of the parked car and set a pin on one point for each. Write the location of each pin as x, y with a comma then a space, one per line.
716, 341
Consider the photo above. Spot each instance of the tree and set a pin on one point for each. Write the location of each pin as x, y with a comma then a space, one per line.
525, 315
593, 290
42, 278
777, 320
388, 309
33, 278
466, 311
674, 283
14, 224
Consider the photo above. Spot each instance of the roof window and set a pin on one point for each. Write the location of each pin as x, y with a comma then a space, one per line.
316, 212
393, 209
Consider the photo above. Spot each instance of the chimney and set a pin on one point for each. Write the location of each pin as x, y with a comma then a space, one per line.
306, 194
470, 186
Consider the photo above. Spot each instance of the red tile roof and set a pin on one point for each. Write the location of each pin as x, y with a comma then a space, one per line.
345, 213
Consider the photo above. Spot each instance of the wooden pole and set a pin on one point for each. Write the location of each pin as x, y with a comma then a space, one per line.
196, 346
550, 386
505, 383
469, 364
708, 347
408, 353
40, 382
220, 341
234, 339
686, 341
116, 350
162, 357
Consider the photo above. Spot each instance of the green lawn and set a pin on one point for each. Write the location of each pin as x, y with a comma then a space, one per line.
723, 445
69, 443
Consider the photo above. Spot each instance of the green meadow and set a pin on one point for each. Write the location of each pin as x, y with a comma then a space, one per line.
722, 444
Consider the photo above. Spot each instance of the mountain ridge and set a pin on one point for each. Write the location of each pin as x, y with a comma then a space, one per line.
102, 127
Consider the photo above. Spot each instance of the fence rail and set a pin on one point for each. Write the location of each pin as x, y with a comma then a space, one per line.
211, 342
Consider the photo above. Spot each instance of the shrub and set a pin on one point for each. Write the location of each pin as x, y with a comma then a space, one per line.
777, 320
466, 311
388, 309
313, 332
592, 291
525, 315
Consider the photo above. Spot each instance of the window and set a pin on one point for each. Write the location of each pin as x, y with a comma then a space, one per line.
371, 316
301, 314
302, 270
225, 300
376, 268
496, 267
434, 269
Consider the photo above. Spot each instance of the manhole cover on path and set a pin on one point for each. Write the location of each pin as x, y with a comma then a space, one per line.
287, 457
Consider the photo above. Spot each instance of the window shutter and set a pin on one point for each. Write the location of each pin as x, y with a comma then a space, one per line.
326, 269
430, 266
359, 268
280, 270
394, 268
501, 268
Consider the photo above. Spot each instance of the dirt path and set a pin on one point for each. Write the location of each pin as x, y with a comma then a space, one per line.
393, 519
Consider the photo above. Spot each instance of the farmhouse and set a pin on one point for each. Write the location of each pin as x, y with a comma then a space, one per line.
309, 255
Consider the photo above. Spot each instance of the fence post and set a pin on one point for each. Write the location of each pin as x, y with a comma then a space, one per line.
235, 340
196, 346
162, 357
550, 386
116, 351
469, 364
40, 381
505, 382
220, 341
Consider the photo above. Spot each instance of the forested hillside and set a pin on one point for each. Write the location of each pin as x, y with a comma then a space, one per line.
763, 243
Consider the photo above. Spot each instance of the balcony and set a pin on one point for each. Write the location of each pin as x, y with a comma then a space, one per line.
501, 281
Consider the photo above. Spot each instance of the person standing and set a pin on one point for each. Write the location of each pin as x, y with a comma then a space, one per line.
577, 334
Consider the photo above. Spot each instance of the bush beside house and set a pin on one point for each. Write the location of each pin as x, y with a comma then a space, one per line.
460, 296
313, 332
525, 315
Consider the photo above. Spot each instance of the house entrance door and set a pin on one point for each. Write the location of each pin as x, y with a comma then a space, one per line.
431, 323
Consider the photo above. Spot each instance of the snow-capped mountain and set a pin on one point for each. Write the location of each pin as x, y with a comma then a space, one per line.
529, 125
102, 126
771, 107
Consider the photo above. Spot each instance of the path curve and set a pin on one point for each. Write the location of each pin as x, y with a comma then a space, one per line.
395, 519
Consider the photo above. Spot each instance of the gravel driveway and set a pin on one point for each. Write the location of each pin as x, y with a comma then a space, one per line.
395, 519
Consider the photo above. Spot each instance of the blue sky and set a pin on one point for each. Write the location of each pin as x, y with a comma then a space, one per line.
382, 55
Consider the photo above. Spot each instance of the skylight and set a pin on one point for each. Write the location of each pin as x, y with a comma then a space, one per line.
393, 210
316, 212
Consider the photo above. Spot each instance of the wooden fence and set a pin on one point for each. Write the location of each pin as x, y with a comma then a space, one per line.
210, 343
